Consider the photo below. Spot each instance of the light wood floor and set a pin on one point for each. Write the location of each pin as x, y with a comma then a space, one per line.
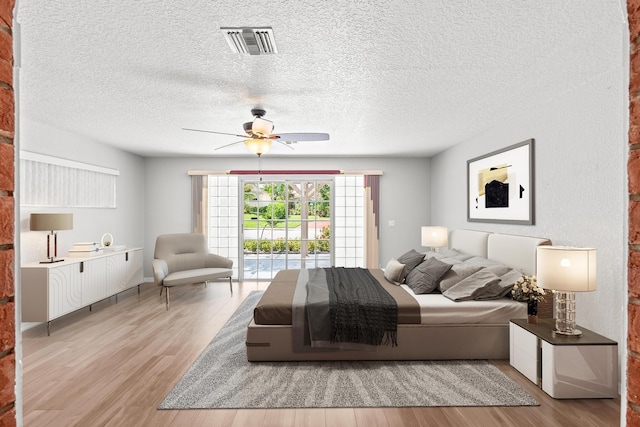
114, 365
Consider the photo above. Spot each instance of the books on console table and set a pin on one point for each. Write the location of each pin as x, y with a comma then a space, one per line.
85, 250
84, 253
89, 249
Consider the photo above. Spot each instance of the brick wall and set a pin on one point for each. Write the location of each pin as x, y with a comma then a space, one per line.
7, 254
633, 167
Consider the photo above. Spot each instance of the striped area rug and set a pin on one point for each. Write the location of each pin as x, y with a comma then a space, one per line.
221, 377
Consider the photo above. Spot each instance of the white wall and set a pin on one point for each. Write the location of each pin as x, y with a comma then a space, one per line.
580, 178
404, 194
125, 222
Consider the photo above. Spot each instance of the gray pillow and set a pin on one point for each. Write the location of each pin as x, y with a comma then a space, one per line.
394, 271
425, 277
501, 288
497, 268
473, 286
410, 259
510, 278
457, 273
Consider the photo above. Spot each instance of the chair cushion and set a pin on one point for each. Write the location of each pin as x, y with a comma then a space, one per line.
197, 275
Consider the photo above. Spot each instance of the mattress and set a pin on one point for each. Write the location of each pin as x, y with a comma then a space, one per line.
436, 309
275, 306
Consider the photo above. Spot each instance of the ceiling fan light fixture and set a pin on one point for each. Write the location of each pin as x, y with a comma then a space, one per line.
261, 127
258, 146
251, 41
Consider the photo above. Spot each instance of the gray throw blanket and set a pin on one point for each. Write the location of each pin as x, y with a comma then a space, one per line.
361, 310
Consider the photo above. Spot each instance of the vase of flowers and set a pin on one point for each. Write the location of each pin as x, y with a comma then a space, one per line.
526, 290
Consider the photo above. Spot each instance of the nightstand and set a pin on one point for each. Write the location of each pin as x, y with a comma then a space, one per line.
564, 367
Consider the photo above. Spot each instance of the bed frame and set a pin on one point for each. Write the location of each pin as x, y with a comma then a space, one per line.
427, 342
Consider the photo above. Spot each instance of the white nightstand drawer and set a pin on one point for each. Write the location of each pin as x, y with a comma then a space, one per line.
524, 352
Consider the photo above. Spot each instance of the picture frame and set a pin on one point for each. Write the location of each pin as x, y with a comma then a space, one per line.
500, 185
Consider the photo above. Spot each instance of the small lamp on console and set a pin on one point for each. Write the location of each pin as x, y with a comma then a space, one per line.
435, 237
566, 270
51, 222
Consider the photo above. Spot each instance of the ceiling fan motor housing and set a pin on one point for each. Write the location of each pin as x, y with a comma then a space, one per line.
258, 112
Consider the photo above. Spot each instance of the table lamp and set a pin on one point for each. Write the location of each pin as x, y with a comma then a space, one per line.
434, 237
51, 222
566, 270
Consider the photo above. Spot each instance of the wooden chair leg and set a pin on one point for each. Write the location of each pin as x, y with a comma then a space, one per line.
230, 287
167, 298
161, 288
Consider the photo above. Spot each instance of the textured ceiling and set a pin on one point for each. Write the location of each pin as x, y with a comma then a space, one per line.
384, 78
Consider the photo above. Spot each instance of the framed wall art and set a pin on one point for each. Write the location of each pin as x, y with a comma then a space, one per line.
500, 186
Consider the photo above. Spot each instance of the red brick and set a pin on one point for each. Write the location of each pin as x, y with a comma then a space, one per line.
633, 334
6, 72
634, 104
634, 222
633, 418
6, 46
8, 419
633, 168
634, 133
6, 220
7, 327
7, 263
7, 170
7, 118
7, 379
633, 380
633, 11
6, 12
634, 63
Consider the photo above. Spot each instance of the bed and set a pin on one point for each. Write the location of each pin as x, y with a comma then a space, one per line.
430, 327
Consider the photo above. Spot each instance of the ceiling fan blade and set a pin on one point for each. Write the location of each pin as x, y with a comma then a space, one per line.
288, 145
295, 137
229, 145
219, 133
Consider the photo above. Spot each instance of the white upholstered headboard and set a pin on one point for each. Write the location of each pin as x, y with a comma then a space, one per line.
470, 242
518, 252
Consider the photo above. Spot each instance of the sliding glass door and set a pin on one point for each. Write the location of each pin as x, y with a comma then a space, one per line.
269, 225
287, 224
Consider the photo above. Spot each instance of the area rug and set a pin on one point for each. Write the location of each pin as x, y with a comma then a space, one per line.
221, 377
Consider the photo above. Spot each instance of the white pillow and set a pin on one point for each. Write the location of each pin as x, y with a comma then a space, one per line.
394, 270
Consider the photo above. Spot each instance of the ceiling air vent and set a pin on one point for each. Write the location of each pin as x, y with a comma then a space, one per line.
252, 41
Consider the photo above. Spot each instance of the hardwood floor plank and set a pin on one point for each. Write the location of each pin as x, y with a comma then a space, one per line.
401, 417
249, 417
341, 417
310, 417
279, 417
371, 417
114, 366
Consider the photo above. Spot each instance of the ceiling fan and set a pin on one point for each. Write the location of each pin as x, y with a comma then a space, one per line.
259, 136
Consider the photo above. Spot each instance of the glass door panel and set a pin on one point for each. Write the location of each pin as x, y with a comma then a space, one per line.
286, 225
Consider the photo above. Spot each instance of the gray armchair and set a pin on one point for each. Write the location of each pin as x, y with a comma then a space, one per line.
184, 258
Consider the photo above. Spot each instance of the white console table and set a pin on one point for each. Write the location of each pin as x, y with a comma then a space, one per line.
53, 290
565, 367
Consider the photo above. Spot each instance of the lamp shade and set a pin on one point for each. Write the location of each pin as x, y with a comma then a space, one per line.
51, 221
564, 268
258, 146
434, 237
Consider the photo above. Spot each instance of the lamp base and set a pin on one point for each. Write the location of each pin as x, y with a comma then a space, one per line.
566, 314
51, 261
572, 333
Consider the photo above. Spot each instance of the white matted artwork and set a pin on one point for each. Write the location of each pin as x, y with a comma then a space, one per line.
500, 185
